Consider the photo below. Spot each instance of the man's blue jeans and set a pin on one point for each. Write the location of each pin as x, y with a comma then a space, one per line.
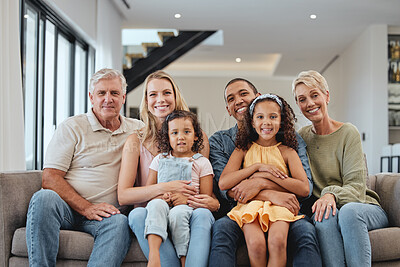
48, 213
199, 244
303, 247
344, 237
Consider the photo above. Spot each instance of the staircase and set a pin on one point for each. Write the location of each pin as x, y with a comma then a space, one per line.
155, 56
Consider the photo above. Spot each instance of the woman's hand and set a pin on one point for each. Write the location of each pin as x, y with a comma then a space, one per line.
272, 170
180, 186
324, 205
178, 199
203, 201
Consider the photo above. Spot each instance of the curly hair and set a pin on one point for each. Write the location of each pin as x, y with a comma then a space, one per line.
247, 134
163, 137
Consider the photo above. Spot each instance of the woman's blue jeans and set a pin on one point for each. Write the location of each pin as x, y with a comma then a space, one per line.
344, 238
199, 244
48, 213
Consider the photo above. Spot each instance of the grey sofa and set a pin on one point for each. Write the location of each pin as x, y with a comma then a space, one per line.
17, 188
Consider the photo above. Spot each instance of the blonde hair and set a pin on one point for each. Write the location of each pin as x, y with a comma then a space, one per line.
150, 121
107, 74
312, 79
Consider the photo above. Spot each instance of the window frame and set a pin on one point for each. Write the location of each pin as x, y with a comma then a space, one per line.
45, 14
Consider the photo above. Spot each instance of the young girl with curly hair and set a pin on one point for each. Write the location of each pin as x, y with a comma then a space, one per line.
180, 139
267, 143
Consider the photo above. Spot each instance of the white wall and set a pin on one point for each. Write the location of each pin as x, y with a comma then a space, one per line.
358, 84
357, 81
99, 22
82, 19
109, 36
12, 152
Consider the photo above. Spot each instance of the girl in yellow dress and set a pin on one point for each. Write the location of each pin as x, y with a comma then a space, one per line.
266, 147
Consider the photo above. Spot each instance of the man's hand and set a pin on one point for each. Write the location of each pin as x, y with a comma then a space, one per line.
246, 190
179, 199
97, 211
287, 200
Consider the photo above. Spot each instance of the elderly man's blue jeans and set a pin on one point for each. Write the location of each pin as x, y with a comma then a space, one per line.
302, 244
199, 244
48, 213
344, 238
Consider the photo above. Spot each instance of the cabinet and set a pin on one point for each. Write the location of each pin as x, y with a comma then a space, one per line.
394, 88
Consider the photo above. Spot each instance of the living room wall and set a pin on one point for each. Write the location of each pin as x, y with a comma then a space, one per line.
99, 22
358, 83
357, 80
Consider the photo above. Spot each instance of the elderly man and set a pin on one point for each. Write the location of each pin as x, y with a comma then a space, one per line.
303, 247
80, 179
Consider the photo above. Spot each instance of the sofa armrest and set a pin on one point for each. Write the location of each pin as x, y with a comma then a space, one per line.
387, 185
16, 190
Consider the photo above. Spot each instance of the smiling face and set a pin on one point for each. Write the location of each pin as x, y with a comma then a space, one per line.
160, 98
107, 99
181, 137
238, 96
267, 121
312, 102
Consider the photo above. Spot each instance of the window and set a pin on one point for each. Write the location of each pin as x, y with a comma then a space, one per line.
63, 79
56, 66
30, 75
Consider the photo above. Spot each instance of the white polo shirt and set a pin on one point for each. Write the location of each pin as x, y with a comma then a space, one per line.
90, 155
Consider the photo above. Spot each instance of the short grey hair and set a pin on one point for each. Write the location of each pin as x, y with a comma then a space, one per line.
107, 74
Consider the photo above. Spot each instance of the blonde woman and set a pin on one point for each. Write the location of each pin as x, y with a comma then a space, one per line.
343, 208
161, 96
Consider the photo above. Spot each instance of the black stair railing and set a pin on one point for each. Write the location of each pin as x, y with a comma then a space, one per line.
160, 57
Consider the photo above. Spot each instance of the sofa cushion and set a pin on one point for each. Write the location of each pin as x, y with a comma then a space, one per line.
135, 253
385, 244
74, 245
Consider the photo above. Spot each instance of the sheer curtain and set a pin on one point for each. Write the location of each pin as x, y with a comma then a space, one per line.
12, 155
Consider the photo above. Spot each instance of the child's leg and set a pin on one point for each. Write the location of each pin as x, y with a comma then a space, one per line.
277, 241
156, 228
183, 260
178, 222
256, 245
154, 253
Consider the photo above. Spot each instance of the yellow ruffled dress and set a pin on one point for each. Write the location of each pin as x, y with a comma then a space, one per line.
264, 211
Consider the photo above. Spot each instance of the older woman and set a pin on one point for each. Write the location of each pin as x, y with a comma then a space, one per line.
344, 209
161, 96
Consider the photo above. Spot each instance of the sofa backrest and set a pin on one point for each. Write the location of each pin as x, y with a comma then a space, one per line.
16, 190
387, 185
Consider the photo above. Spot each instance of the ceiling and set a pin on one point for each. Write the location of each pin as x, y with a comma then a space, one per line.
273, 38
